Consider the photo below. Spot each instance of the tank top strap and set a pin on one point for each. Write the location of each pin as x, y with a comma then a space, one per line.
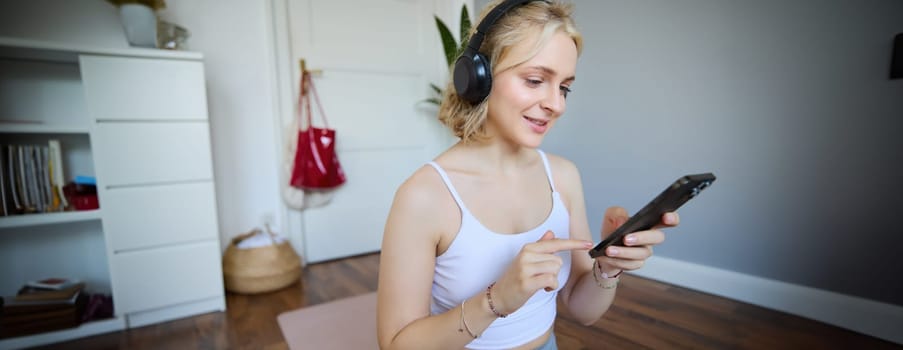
545, 162
451, 188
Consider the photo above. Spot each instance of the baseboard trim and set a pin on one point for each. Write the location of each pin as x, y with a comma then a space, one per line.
878, 319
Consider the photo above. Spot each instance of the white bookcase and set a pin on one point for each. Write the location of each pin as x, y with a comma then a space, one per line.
136, 119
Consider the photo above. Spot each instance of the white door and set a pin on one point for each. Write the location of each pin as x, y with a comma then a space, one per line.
377, 58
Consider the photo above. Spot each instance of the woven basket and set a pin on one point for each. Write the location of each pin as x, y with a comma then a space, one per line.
260, 269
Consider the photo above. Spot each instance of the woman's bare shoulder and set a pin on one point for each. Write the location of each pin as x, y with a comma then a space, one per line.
422, 187
422, 195
564, 171
421, 212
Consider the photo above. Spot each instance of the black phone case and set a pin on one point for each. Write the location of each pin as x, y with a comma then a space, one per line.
681, 191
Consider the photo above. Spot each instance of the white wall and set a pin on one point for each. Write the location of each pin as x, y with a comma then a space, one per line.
234, 38
87, 22
789, 103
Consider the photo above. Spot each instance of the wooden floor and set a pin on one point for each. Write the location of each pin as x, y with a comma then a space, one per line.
645, 315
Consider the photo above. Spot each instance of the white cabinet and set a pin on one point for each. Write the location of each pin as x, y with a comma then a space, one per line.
136, 119
136, 153
128, 88
180, 273
152, 216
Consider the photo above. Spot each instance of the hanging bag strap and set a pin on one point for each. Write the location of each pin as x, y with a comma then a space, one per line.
307, 87
302, 102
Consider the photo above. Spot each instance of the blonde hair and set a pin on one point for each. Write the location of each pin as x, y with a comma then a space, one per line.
517, 25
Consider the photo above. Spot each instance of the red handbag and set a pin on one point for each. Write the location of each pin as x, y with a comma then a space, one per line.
316, 163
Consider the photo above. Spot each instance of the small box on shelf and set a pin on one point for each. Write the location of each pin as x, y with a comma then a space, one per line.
82, 193
51, 304
36, 310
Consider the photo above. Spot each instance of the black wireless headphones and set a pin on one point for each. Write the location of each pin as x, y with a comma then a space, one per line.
473, 74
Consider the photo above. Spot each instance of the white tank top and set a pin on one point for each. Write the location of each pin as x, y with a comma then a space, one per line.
479, 256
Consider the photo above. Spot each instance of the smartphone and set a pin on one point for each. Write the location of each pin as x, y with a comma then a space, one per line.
678, 193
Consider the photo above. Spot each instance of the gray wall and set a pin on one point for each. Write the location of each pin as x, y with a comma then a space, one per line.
788, 103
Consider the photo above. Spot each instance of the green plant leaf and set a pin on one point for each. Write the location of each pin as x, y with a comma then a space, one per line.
448, 41
451, 47
436, 89
465, 28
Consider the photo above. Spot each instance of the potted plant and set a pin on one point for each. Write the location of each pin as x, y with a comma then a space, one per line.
452, 47
139, 18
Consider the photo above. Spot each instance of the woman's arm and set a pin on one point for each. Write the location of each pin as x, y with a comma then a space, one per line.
406, 268
583, 297
586, 296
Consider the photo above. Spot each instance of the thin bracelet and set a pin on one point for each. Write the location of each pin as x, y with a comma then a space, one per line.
491, 306
464, 322
605, 276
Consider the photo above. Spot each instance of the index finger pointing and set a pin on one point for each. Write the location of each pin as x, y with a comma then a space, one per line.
557, 245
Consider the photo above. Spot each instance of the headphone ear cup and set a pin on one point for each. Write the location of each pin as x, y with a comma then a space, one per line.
472, 77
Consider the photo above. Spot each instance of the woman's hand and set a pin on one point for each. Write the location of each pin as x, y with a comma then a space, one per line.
637, 246
535, 267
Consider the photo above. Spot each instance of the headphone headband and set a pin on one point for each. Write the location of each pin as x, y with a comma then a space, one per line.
477, 39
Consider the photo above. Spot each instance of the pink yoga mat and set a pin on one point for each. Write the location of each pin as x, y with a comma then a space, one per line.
348, 323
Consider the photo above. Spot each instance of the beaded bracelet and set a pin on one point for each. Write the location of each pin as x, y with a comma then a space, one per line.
491, 306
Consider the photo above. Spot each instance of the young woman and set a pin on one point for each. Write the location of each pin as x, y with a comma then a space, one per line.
480, 242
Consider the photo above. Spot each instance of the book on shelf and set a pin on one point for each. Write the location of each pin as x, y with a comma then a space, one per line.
17, 307
56, 174
21, 181
20, 318
53, 283
31, 179
11, 180
34, 177
4, 198
28, 324
44, 294
31, 170
30, 298
41, 177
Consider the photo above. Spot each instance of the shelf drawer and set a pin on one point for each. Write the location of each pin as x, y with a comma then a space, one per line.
155, 278
147, 153
120, 88
142, 217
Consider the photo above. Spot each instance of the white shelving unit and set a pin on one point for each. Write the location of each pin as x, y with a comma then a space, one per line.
10, 128
48, 218
85, 330
136, 119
